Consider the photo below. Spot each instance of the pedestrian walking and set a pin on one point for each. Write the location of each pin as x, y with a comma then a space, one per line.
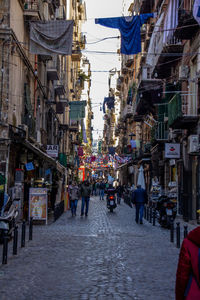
139, 198
97, 189
188, 270
74, 193
102, 187
85, 194
94, 189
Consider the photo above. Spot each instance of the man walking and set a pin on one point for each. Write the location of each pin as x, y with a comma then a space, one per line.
139, 198
101, 190
85, 193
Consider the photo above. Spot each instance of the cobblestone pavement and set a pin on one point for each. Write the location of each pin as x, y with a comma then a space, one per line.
102, 256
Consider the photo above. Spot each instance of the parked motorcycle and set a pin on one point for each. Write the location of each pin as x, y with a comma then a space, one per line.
111, 202
8, 217
166, 211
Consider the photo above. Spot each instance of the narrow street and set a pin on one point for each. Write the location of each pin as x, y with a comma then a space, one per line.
103, 256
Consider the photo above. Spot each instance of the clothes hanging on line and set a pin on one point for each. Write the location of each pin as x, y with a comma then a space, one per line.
129, 28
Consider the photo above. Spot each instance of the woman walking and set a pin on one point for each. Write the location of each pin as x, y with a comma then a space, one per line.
74, 193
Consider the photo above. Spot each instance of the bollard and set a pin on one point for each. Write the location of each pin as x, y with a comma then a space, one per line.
23, 234
150, 217
178, 235
185, 231
5, 248
147, 213
172, 231
154, 217
15, 240
31, 229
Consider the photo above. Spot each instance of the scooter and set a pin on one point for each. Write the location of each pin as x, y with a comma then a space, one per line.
111, 202
167, 211
7, 219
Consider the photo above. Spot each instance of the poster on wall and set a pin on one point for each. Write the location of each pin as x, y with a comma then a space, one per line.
38, 204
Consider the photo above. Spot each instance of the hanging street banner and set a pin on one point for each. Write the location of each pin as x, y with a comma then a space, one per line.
38, 204
172, 150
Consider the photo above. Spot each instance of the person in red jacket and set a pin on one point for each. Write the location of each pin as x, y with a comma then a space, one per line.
188, 270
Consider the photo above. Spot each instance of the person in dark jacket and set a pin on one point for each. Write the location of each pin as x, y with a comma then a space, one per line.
102, 187
188, 270
85, 193
139, 198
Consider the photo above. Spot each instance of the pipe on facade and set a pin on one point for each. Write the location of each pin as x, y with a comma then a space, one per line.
2, 75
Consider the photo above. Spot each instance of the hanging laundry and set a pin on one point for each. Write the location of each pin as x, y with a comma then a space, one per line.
111, 150
51, 37
196, 10
129, 28
133, 144
110, 102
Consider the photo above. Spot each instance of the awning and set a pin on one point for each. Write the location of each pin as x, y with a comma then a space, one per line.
44, 156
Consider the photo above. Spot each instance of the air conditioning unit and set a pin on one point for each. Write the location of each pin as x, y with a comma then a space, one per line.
193, 143
25, 128
183, 71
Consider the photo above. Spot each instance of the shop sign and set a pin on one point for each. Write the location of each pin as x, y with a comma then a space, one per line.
29, 166
38, 204
172, 150
52, 150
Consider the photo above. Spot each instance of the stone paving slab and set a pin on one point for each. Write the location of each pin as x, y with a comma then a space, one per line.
102, 256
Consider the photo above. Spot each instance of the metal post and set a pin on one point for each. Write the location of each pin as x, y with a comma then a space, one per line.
15, 240
172, 232
145, 211
150, 219
178, 235
31, 229
5, 248
23, 234
154, 217
185, 231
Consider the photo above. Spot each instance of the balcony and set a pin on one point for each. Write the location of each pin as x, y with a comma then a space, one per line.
169, 52
187, 25
182, 113
76, 55
127, 112
161, 131
59, 89
32, 9
146, 82
53, 68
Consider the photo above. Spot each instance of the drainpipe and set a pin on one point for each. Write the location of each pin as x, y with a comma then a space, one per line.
7, 168
35, 87
2, 76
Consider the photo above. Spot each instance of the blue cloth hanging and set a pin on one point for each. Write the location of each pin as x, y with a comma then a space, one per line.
110, 102
198, 13
130, 31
